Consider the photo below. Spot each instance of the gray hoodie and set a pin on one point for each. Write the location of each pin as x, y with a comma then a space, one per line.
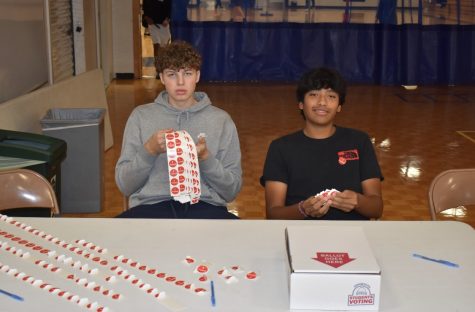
144, 177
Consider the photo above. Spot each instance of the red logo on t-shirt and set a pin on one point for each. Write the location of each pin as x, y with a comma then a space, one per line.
344, 156
341, 160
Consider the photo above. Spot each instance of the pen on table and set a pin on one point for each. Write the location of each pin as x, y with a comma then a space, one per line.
444, 262
213, 296
9, 294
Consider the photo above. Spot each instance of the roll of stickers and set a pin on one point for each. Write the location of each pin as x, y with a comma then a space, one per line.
327, 193
183, 167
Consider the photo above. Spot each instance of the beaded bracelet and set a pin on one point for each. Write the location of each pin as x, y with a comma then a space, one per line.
301, 210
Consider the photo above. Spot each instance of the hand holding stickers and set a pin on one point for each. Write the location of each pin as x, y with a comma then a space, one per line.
326, 195
318, 205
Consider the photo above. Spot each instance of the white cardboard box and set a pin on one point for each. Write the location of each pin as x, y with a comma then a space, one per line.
332, 268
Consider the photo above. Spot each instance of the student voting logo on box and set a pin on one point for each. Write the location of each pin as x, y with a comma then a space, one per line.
361, 295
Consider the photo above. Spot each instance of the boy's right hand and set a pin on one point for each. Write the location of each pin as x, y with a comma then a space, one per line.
156, 144
317, 206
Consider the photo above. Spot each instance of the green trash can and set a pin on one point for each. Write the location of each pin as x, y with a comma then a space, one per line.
82, 181
40, 153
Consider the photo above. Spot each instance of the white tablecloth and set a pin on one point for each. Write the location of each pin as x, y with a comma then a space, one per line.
408, 283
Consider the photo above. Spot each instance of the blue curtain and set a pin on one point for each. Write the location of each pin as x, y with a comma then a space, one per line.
363, 53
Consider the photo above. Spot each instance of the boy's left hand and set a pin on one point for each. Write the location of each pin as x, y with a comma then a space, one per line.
345, 201
202, 149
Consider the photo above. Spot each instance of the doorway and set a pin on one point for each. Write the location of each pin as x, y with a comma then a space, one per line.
143, 47
148, 60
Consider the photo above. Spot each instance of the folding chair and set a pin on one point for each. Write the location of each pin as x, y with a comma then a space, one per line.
451, 189
26, 189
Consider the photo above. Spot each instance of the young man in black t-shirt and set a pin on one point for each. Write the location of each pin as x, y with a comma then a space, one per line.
322, 156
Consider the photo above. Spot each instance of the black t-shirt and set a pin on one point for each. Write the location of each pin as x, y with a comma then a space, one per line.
309, 166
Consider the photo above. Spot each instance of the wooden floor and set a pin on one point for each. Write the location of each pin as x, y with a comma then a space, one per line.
417, 134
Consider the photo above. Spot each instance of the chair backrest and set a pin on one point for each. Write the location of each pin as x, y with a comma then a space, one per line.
24, 188
450, 189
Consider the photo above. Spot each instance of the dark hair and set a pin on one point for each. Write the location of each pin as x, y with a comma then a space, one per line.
321, 78
178, 55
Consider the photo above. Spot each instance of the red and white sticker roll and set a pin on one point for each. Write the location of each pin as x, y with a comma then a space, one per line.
183, 167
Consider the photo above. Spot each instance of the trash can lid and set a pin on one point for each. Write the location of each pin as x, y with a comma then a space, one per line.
31, 146
72, 117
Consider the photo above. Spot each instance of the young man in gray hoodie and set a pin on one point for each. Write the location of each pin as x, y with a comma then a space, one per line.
142, 170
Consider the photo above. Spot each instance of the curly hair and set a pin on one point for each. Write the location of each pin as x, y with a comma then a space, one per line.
178, 55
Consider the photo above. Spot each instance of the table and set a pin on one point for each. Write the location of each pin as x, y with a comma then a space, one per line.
408, 283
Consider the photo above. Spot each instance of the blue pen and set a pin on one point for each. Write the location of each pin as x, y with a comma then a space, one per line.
213, 298
9, 294
444, 262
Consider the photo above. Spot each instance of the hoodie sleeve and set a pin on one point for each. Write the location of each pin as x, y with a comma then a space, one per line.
222, 172
135, 163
